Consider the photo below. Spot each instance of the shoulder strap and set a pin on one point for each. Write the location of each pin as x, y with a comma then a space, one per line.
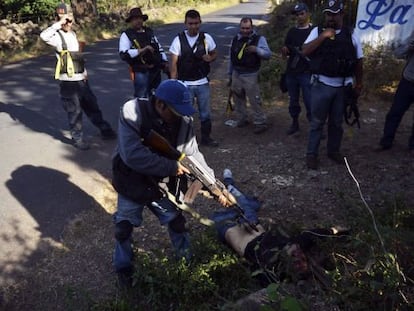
146, 123
64, 45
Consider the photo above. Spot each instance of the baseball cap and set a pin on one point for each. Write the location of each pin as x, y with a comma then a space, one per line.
333, 6
176, 95
299, 7
63, 9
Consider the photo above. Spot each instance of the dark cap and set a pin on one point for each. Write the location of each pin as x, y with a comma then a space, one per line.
333, 6
64, 9
176, 95
136, 12
299, 7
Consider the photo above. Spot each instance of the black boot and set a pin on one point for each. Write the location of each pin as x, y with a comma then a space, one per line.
293, 128
206, 140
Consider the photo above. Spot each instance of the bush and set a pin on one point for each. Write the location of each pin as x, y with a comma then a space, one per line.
25, 10
214, 277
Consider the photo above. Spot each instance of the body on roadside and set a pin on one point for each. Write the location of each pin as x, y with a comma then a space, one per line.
140, 49
335, 54
75, 92
403, 98
142, 175
298, 74
192, 51
274, 254
246, 53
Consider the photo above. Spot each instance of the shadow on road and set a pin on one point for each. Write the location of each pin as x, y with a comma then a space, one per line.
45, 194
34, 121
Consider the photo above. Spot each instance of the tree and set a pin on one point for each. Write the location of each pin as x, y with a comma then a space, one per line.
84, 10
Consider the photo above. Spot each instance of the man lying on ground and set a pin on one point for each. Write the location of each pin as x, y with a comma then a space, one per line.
274, 253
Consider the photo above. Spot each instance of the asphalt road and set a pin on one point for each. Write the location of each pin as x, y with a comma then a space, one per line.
44, 180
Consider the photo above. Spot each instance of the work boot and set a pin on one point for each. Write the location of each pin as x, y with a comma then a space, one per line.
206, 140
294, 127
337, 157
125, 277
210, 142
312, 162
81, 144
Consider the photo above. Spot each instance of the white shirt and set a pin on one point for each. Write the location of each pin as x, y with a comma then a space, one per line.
337, 81
125, 46
210, 45
50, 36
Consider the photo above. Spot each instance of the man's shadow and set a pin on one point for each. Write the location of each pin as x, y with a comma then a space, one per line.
52, 201
34, 121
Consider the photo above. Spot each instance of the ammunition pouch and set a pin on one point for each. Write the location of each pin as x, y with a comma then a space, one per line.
77, 60
133, 185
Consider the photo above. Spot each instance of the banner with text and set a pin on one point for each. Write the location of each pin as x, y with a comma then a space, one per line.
384, 22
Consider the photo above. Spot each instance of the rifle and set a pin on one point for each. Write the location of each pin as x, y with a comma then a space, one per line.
229, 107
351, 107
213, 185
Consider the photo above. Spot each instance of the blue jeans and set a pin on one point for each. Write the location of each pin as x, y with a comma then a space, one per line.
296, 82
403, 98
202, 93
130, 211
227, 218
327, 102
141, 84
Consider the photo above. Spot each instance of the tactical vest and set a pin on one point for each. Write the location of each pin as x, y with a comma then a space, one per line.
244, 62
140, 40
191, 66
335, 58
131, 184
68, 62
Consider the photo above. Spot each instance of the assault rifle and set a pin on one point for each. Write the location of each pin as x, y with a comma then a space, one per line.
229, 107
213, 185
351, 107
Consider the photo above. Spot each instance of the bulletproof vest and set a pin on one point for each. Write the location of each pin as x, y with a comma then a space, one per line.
335, 58
131, 184
241, 61
140, 40
190, 64
296, 62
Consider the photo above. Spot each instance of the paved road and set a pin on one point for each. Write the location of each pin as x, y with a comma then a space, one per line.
44, 181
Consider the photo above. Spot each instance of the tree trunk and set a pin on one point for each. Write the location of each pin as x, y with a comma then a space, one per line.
84, 10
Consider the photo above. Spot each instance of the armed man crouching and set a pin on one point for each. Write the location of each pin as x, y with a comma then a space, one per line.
142, 175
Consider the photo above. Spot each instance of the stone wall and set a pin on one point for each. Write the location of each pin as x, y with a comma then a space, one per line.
14, 36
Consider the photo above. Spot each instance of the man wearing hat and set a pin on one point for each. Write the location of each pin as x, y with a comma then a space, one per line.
142, 175
75, 92
139, 47
335, 54
297, 67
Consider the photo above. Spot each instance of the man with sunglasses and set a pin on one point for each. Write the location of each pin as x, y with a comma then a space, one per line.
75, 93
336, 55
297, 67
142, 175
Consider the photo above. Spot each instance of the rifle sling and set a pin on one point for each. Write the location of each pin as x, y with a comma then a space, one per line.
184, 207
